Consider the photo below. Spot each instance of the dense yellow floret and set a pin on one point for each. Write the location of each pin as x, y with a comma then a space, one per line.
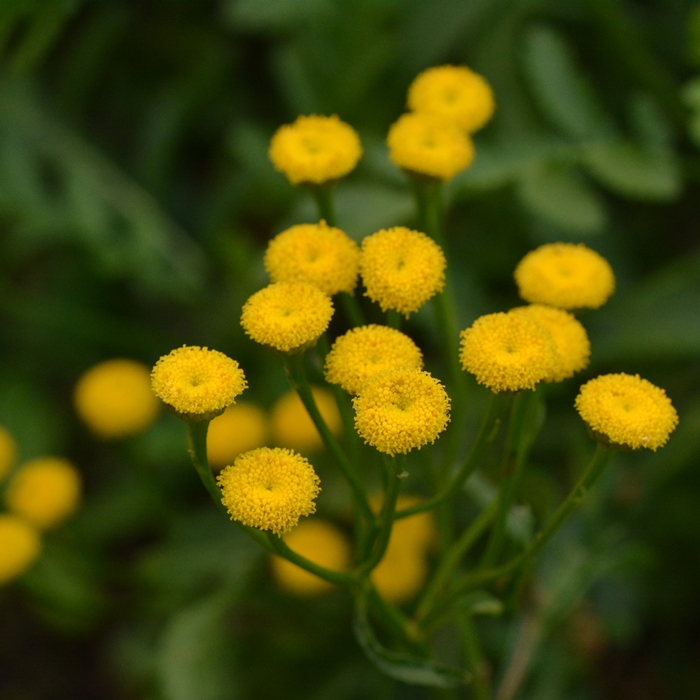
401, 269
8, 452
269, 489
315, 149
287, 316
454, 92
627, 410
429, 145
400, 409
566, 275
20, 546
315, 253
508, 352
241, 427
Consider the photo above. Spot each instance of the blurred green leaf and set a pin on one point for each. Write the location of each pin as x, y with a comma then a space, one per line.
482, 603
266, 15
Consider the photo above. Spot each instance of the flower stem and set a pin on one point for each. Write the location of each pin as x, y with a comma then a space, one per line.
323, 194
352, 309
393, 319
475, 657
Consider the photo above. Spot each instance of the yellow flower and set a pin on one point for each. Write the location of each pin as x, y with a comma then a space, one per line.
8, 452
314, 253
239, 428
363, 352
269, 489
429, 145
114, 399
292, 425
566, 275
627, 411
570, 337
401, 269
323, 544
508, 352
400, 409
45, 491
287, 316
315, 149
454, 92
20, 546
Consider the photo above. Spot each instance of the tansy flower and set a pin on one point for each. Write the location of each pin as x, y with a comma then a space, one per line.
363, 352
292, 425
45, 491
197, 383
627, 411
114, 399
8, 452
287, 316
323, 544
400, 409
269, 489
20, 546
566, 275
401, 269
429, 145
315, 149
315, 253
569, 336
454, 92
239, 428
508, 352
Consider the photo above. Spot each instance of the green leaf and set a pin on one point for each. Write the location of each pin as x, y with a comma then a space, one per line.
270, 15
482, 603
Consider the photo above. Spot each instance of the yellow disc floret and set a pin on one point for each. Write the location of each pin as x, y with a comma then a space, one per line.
401, 269
8, 452
315, 149
20, 546
241, 427
508, 352
315, 253
627, 410
566, 275
287, 316
454, 92
400, 409
269, 489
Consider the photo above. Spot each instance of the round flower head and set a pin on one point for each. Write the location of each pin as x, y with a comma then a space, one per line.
114, 399
315, 149
401, 269
429, 145
400, 409
323, 544
454, 92
269, 489
315, 253
508, 352
8, 452
627, 411
45, 491
287, 316
197, 383
363, 352
566, 275
20, 546
239, 428
569, 336
292, 425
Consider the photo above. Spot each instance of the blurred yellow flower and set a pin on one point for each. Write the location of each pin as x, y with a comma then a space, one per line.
241, 427
8, 452
20, 546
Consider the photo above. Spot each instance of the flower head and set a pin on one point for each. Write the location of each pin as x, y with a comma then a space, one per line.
8, 452
269, 489
402, 269
430, 145
315, 149
315, 253
508, 352
20, 546
627, 411
288, 316
197, 383
454, 92
241, 427
114, 399
400, 409
566, 275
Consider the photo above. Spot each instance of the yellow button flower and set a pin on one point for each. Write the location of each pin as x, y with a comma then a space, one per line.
269, 489
566, 275
315, 149
454, 92
315, 253
241, 427
8, 452
20, 546
627, 411
401, 269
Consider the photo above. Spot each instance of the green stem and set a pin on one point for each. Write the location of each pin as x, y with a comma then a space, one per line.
352, 309
393, 319
428, 198
323, 194
475, 657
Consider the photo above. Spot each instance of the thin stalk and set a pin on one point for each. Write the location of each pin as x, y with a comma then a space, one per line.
475, 657
393, 319
323, 195
352, 309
